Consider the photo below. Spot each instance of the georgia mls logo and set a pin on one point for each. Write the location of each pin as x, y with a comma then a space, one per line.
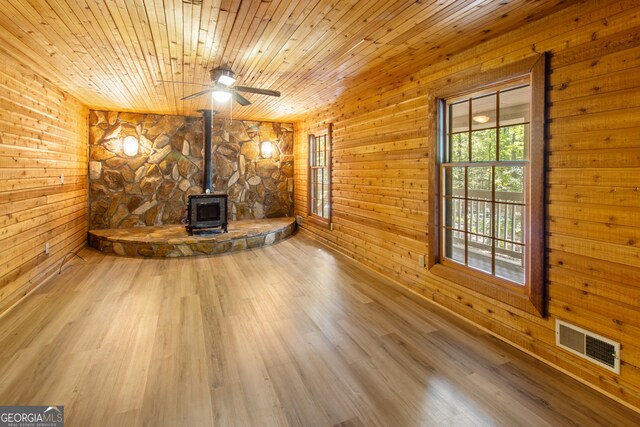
31, 416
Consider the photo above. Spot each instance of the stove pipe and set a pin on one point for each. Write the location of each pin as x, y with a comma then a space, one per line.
207, 184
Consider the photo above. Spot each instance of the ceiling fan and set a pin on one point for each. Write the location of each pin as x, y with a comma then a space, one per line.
222, 90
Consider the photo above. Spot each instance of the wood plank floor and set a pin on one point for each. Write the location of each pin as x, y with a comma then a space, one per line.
290, 334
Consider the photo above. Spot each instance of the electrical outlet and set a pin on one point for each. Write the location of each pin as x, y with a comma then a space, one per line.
331, 226
421, 261
46, 248
62, 179
299, 219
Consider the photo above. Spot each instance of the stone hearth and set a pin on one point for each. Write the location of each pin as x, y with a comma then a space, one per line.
174, 241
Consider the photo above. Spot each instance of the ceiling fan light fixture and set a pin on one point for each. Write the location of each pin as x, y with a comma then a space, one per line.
221, 95
481, 119
222, 88
226, 80
223, 76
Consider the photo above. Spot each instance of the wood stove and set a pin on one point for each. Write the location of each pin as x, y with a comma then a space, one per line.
207, 213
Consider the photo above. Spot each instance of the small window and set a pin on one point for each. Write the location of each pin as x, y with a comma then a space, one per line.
319, 176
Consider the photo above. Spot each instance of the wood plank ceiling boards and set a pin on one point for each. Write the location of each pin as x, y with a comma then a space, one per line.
113, 54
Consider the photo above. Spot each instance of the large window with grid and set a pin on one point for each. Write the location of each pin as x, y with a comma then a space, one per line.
488, 209
483, 181
319, 176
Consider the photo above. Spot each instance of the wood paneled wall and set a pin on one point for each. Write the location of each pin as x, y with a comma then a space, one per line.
43, 135
381, 143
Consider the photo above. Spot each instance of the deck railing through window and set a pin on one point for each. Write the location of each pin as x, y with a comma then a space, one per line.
487, 225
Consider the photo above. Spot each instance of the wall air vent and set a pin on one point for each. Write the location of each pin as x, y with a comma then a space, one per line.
590, 346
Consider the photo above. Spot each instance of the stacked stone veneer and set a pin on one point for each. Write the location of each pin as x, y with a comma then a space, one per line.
152, 188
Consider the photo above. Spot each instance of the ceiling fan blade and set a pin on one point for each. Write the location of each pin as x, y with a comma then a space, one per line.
197, 94
256, 90
240, 99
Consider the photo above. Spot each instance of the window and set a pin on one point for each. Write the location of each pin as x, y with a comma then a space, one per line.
319, 176
488, 229
482, 182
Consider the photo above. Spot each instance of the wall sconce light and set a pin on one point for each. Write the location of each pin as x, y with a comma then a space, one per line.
130, 145
266, 149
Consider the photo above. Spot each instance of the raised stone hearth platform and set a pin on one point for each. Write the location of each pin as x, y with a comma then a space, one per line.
174, 241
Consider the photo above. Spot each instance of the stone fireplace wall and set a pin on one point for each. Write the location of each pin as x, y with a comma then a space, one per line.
152, 187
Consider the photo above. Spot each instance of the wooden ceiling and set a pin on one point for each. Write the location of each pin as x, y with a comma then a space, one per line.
113, 54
